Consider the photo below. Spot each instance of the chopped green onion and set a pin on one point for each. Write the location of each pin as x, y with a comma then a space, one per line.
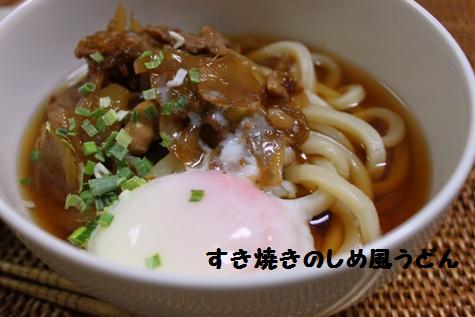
87, 197
35, 155
133, 183
75, 201
123, 138
89, 128
173, 106
109, 141
87, 88
104, 184
167, 108
153, 262
155, 61
124, 172
112, 197
105, 219
105, 102
61, 132
100, 170
110, 117
121, 114
97, 113
89, 148
72, 126
101, 124
99, 203
196, 195
80, 237
118, 151
166, 140
97, 57
145, 54
85, 112
181, 102
151, 112
150, 94
142, 166
133, 116
25, 181
194, 75
100, 157
89, 168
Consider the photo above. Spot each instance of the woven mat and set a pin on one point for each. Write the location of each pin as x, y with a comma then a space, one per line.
415, 292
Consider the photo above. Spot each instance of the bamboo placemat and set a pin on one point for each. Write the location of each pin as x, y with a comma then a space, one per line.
415, 292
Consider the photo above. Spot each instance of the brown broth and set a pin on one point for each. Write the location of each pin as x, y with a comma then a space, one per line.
393, 208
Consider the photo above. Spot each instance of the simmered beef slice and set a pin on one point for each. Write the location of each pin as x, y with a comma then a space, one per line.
208, 41
115, 47
56, 168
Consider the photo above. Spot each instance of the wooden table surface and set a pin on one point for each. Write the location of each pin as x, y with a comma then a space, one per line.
458, 16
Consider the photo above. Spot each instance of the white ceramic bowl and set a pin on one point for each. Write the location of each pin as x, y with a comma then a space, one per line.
396, 41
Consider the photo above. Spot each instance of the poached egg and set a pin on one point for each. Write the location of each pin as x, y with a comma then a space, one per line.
233, 214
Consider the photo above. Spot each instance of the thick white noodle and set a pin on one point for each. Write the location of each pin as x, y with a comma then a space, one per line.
334, 74
306, 72
359, 129
316, 100
352, 239
396, 129
318, 201
359, 175
311, 205
329, 150
359, 204
352, 97
334, 134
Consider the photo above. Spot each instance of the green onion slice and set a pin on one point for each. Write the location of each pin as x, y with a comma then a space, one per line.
89, 148
166, 140
118, 151
61, 132
89, 168
75, 201
25, 181
123, 138
105, 219
153, 262
85, 112
133, 183
97, 57
35, 155
87, 88
151, 112
89, 128
81, 236
134, 116
194, 75
150, 94
155, 61
104, 184
196, 195
110, 117
176, 105
142, 166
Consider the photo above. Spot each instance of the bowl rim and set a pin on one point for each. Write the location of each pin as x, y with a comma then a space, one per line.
423, 218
